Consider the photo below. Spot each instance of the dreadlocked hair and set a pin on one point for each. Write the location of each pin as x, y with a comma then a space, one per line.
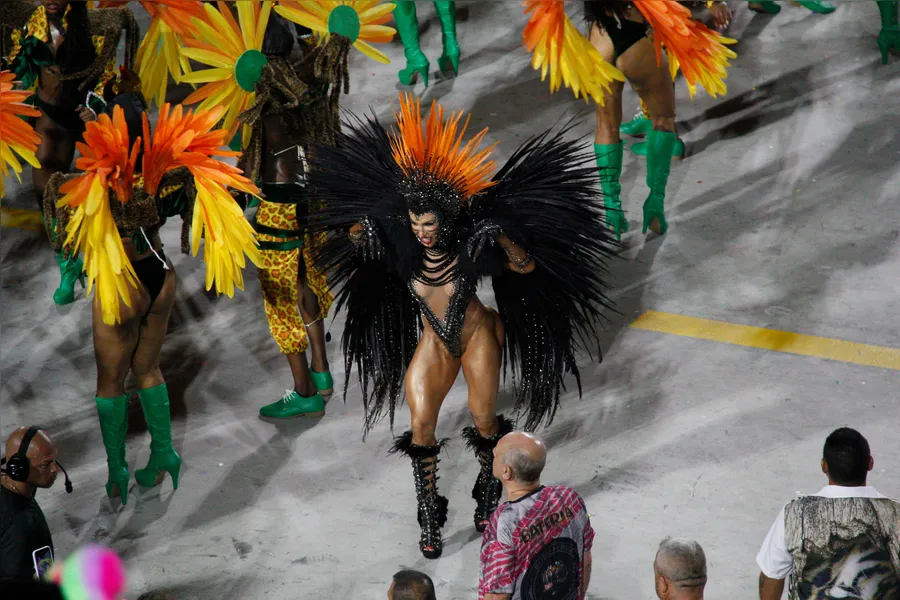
331, 66
76, 53
108, 22
309, 111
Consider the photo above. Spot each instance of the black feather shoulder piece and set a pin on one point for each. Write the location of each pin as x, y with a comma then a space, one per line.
547, 200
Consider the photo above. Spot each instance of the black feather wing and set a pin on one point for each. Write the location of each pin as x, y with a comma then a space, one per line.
350, 182
547, 200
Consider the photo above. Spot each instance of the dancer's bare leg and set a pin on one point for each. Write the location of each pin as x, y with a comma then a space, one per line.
481, 363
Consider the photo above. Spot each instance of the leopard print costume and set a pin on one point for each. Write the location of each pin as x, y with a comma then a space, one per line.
282, 248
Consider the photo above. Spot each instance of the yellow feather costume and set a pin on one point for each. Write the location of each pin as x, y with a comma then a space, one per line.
181, 140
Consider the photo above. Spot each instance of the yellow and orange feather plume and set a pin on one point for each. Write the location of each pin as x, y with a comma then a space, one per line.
436, 148
187, 139
107, 163
372, 15
16, 135
701, 53
160, 53
560, 49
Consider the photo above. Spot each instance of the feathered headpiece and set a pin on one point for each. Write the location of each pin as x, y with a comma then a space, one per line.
180, 140
161, 53
233, 50
360, 21
16, 135
440, 174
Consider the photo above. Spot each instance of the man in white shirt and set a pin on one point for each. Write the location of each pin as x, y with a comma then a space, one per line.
843, 541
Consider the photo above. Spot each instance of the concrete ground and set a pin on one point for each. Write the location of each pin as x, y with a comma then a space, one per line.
785, 216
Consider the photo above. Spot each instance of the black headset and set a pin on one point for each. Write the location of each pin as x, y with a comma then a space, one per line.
18, 466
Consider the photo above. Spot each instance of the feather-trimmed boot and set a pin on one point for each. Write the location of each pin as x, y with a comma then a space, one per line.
659, 163
446, 13
488, 489
163, 458
609, 164
113, 415
408, 27
889, 36
432, 512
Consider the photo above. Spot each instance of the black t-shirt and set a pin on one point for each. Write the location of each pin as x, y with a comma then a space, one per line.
23, 529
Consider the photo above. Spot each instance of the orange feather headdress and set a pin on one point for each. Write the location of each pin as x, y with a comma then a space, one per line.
434, 156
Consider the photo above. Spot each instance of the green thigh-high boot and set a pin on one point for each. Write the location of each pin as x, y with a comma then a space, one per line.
609, 164
889, 36
659, 162
155, 402
113, 414
446, 12
408, 28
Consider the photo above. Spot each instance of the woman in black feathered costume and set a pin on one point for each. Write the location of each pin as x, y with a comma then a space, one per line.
426, 222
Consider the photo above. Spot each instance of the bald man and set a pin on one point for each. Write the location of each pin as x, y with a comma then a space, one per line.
680, 570
24, 535
538, 543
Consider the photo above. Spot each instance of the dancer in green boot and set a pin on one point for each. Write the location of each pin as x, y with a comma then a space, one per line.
408, 28
163, 458
889, 36
620, 35
659, 161
609, 163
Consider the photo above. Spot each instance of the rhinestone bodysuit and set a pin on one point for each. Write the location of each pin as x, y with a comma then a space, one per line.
448, 329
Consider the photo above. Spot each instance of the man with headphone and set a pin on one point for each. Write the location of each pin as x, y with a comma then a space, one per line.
26, 548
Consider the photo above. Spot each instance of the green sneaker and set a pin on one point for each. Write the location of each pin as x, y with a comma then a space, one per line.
293, 405
639, 125
324, 382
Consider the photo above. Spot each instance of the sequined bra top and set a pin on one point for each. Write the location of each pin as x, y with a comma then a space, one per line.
448, 329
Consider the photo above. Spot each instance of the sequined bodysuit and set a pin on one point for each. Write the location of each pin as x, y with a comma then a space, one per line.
448, 329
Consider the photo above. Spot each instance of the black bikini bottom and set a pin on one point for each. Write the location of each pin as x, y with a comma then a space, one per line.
151, 272
623, 33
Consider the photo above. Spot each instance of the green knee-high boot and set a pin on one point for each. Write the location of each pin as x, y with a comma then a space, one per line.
446, 12
155, 402
609, 163
659, 162
408, 28
889, 36
113, 414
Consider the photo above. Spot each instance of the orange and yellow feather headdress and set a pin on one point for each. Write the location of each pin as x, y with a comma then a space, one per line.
436, 149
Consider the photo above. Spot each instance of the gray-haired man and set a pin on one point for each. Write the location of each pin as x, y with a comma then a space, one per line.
679, 570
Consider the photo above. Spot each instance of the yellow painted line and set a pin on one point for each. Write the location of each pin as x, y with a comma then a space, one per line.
29, 220
770, 339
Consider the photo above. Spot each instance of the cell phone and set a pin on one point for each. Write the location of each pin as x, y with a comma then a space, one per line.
43, 561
